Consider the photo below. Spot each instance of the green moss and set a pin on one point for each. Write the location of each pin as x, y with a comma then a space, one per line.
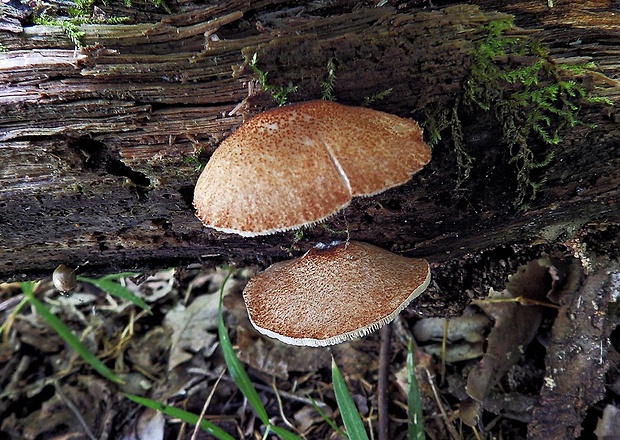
194, 161
368, 100
80, 13
529, 96
279, 93
327, 86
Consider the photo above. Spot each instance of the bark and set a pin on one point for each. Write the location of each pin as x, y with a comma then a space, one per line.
95, 143
577, 359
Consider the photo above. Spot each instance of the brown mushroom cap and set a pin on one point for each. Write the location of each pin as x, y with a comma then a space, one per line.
296, 165
334, 293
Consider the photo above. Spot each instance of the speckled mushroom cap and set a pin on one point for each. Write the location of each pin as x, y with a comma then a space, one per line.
333, 293
296, 165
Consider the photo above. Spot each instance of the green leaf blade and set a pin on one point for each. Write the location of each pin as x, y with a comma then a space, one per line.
350, 416
115, 289
415, 430
72, 340
236, 370
240, 377
186, 416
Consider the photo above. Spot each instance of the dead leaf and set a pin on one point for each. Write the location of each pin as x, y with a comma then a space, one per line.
306, 417
456, 352
55, 417
150, 425
192, 329
515, 325
155, 287
609, 426
148, 350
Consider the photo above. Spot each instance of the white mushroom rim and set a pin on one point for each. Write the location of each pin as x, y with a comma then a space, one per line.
334, 292
361, 332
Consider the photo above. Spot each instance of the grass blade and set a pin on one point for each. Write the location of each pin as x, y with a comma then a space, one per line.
68, 336
415, 430
186, 416
241, 378
237, 372
326, 419
283, 433
119, 275
350, 416
115, 289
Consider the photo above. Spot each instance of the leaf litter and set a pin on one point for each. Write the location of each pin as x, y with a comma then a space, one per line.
172, 356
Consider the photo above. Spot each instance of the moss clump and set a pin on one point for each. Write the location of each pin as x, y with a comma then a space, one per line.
82, 12
279, 93
528, 94
327, 86
369, 100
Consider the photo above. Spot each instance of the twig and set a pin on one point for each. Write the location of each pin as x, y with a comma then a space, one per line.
280, 408
74, 410
206, 405
382, 389
446, 420
290, 396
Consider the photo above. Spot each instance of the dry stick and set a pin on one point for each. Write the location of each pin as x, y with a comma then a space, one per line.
280, 407
445, 417
382, 391
290, 396
206, 405
69, 404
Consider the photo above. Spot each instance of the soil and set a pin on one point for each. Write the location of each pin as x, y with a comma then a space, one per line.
557, 386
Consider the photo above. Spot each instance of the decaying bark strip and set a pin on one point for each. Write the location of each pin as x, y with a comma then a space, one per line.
95, 142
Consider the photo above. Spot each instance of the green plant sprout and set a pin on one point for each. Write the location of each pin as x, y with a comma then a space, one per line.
279, 93
531, 102
80, 12
350, 415
241, 378
29, 288
188, 417
195, 161
369, 100
157, 3
107, 284
415, 428
327, 86
84, 12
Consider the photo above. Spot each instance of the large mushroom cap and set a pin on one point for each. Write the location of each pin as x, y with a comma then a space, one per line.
332, 294
296, 165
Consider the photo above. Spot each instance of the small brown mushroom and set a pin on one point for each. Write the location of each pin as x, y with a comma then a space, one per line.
333, 293
64, 278
296, 165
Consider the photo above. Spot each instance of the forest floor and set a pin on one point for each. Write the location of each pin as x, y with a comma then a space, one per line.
498, 351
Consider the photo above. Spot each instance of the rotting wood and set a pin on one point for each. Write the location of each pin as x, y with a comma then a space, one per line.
94, 141
577, 359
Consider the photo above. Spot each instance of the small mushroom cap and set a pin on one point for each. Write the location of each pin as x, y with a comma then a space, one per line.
333, 294
296, 165
64, 278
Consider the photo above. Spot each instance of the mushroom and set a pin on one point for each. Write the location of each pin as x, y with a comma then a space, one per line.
296, 165
333, 293
64, 278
